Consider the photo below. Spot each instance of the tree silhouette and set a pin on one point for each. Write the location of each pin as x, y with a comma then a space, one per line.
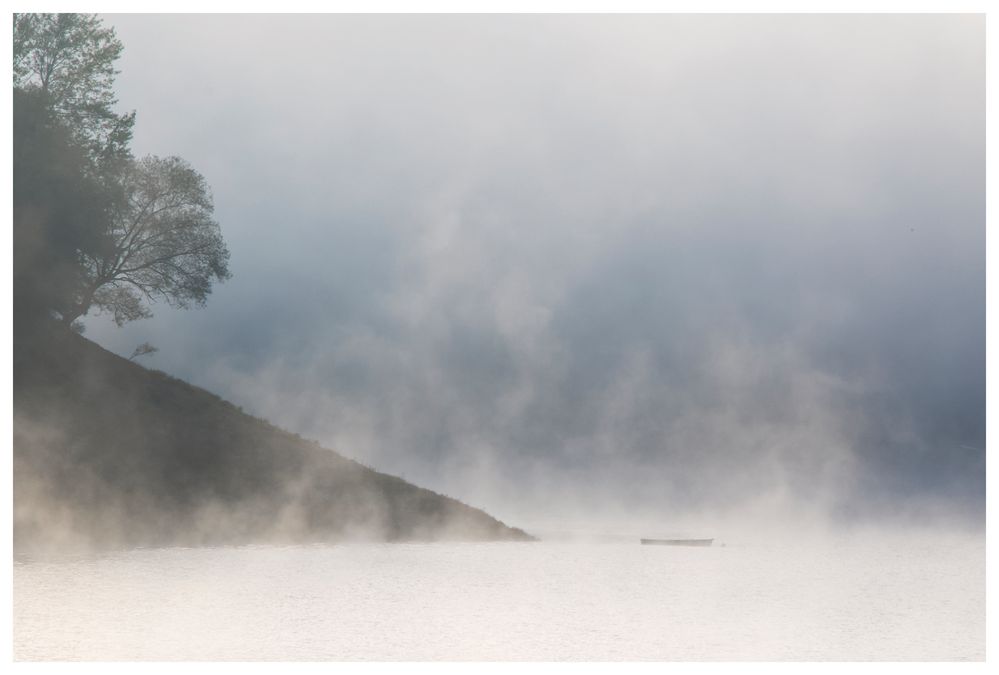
93, 227
60, 211
69, 60
142, 350
161, 243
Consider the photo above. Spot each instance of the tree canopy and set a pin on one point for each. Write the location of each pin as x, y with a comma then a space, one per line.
93, 226
69, 60
162, 243
60, 209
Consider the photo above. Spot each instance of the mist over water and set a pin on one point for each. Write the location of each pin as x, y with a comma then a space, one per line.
603, 277
666, 264
866, 598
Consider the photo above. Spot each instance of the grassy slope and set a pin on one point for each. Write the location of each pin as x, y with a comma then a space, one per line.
108, 454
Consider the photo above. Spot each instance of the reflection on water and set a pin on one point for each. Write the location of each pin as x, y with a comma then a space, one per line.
879, 599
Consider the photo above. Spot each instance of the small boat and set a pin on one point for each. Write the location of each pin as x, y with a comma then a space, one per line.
679, 542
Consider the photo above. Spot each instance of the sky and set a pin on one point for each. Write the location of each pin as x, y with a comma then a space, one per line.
592, 266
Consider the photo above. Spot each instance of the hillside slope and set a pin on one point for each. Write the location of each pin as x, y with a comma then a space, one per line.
110, 454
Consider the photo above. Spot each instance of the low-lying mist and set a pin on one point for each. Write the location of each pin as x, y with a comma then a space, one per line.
109, 455
605, 267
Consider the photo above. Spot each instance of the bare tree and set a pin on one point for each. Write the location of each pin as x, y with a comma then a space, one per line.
142, 350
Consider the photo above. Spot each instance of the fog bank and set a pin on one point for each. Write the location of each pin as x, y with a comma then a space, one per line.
607, 268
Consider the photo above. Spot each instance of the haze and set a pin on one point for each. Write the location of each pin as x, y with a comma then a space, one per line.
569, 267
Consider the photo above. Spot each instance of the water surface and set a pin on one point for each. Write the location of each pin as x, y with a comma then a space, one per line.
897, 599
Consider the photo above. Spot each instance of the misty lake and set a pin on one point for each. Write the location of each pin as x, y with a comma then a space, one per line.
862, 598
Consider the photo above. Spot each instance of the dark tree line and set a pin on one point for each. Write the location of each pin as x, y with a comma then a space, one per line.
94, 227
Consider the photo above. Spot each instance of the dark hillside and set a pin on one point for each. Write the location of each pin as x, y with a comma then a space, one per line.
109, 454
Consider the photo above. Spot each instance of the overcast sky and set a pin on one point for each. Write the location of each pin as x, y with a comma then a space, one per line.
591, 264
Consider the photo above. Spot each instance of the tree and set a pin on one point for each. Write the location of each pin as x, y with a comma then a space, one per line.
161, 243
69, 148
142, 350
69, 60
60, 210
93, 227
